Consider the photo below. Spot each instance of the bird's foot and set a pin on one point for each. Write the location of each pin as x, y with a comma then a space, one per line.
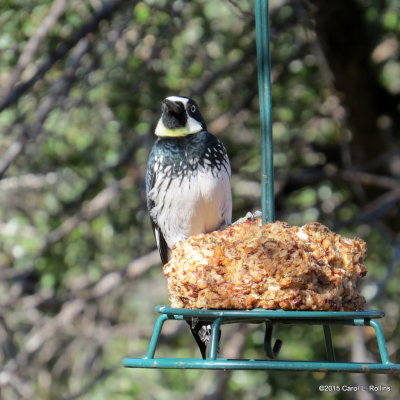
250, 216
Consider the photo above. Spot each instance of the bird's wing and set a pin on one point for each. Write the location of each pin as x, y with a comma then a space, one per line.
226, 203
161, 242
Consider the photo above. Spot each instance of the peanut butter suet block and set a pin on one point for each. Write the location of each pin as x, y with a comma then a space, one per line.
274, 266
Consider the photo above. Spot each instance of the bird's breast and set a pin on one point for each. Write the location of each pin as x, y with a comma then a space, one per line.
192, 203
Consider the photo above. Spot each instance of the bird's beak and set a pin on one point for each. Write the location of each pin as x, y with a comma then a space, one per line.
176, 108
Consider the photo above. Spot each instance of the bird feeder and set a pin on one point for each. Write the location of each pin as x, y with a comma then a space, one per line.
270, 318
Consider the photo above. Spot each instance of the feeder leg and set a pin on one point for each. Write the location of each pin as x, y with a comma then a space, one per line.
215, 334
156, 334
328, 342
272, 352
381, 340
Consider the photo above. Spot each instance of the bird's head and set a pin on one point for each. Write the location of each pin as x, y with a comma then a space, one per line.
180, 117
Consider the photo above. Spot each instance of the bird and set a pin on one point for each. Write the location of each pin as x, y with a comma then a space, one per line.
188, 187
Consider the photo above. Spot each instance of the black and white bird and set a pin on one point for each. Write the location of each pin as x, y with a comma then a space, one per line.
187, 183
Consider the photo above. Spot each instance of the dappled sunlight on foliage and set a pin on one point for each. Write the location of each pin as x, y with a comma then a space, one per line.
80, 91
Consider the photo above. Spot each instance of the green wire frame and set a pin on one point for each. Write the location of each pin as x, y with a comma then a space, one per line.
264, 90
270, 318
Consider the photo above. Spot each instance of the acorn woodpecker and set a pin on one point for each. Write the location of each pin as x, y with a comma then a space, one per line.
187, 184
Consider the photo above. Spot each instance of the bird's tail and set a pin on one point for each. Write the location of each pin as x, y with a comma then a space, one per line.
201, 332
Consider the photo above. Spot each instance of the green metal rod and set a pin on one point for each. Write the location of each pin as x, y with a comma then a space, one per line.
380, 339
156, 334
214, 339
328, 343
270, 365
273, 315
264, 89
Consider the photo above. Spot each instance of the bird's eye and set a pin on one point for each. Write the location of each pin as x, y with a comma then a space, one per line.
192, 108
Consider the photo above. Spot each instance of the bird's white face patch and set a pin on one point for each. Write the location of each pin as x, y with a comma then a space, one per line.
192, 126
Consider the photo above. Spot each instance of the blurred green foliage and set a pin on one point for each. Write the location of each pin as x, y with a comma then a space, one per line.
73, 217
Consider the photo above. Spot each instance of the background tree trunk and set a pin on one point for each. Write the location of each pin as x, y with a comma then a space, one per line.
347, 43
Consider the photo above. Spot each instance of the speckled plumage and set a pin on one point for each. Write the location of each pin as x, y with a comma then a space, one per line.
188, 188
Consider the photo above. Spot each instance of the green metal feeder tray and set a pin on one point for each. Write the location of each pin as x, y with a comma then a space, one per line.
217, 318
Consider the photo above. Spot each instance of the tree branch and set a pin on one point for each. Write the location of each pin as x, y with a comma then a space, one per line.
104, 13
56, 10
46, 106
88, 211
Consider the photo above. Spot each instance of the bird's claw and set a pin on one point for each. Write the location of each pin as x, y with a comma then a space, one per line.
250, 216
